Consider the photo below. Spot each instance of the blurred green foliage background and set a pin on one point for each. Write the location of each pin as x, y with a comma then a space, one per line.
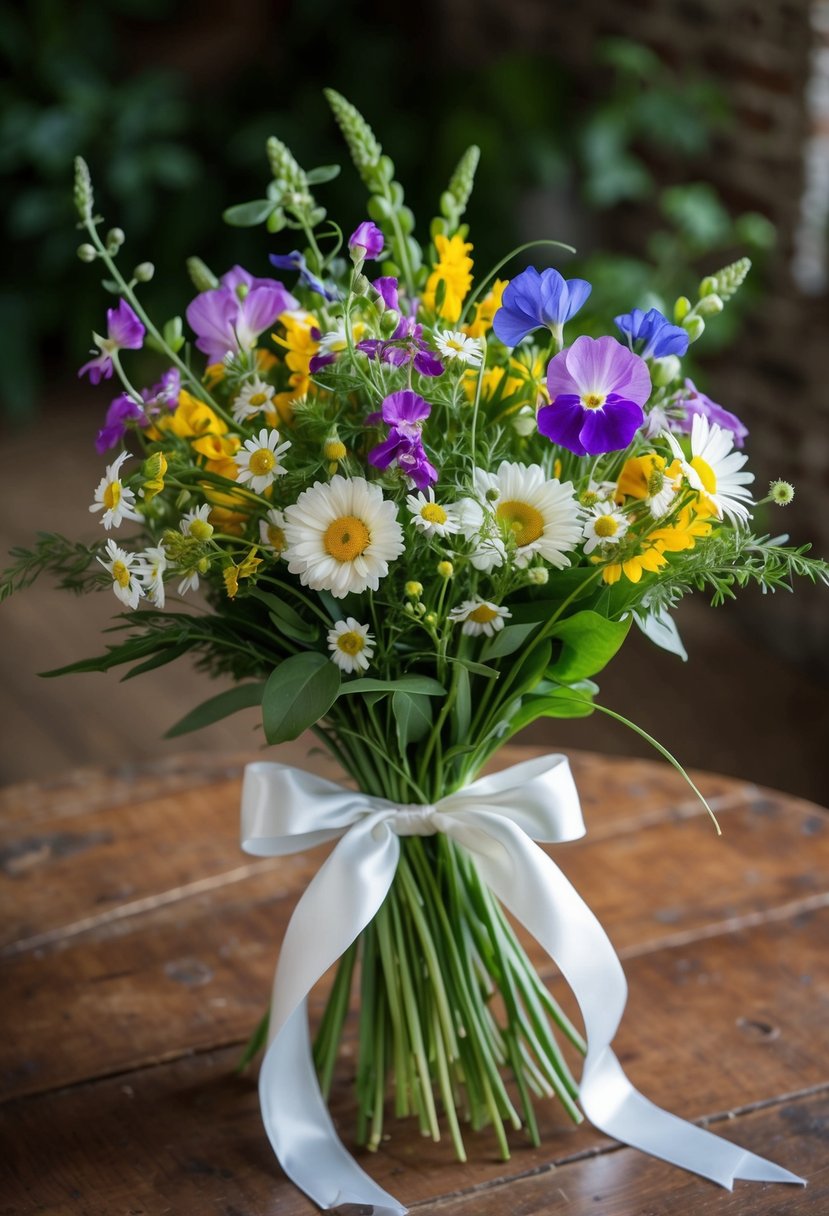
171, 145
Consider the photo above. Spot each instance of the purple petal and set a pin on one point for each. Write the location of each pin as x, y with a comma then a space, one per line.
122, 410
560, 382
405, 407
317, 362
259, 309
367, 237
427, 363
511, 326
384, 453
370, 347
388, 288
611, 428
99, 368
287, 261
562, 422
124, 327
212, 317
603, 366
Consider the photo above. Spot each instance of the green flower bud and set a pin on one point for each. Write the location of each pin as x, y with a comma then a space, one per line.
731, 277
408, 609
681, 309
707, 286
414, 589
115, 239
709, 305
285, 168
362, 144
430, 619
781, 492
665, 370
694, 327
143, 272
83, 196
361, 285
389, 321
87, 253
538, 576
201, 276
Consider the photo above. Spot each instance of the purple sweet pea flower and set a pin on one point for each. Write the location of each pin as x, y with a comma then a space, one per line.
658, 337
694, 402
406, 345
532, 300
124, 332
231, 317
405, 412
296, 261
597, 389
388, 288
366, 242
123, 410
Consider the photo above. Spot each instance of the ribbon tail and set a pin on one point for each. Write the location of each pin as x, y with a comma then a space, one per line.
533, 888
343, 897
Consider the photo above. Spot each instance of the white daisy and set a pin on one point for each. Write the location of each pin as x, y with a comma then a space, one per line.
114, 499
605, 526
714, 469
430, 517
539, 515
258, 460
190, 582
125, 577
196, 524
254, 396
151, 574
480, 616
272, 531
335, 341
351, 645
454, 345
342, 535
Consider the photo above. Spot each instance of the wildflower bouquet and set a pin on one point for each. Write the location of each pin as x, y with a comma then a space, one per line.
419, 514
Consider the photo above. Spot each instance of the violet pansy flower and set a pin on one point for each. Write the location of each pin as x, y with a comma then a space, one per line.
366, 242
693, 402
404, 412
296, 261
651, 335
124, 332
597, 389
123, 409
231, 317
534, 300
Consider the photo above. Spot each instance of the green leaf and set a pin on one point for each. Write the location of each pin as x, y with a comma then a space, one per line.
412, 717
477, 669
462, 711
589, 642
248, 215
562, 702
285, 618
243, 696
323, 173
507, 640
299, 692
531, 668
421, 685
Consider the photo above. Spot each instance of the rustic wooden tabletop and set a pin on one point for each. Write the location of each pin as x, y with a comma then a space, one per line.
138, 952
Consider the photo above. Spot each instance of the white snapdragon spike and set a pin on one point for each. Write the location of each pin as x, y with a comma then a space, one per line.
258, 460
113, 498
715, 469
254, 396
342, 535
431, 517
459, 347
151, 574
541, 514
196, 523
351, 645
480, 617
272, 531
604, 526
125, 569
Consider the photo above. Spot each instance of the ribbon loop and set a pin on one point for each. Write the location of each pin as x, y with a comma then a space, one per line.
497, 818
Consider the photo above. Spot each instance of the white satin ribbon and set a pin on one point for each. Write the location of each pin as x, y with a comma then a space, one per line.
497, 819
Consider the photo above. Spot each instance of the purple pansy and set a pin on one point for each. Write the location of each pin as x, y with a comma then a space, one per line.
231, 317
124, 332
366, 242
123, 410
404, 412
532, 300
651, 335
694, 402
296, 261
597, 389
389, 291
406, 345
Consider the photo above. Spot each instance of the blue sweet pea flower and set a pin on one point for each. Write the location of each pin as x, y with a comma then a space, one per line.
658, 337
296, 261
533, 300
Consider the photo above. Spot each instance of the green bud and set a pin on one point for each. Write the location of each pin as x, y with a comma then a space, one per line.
707, 286
201, 276
538, 576
115, 239
361, 285
445, 569
408, 608
83, 196
709, 305
87, 253
414, 589
454, 199
143, 272
285, 168
420, 609
430, 619
731, 277
389, 321
665, 370
365, 151
681, 309
694, 327
781, 492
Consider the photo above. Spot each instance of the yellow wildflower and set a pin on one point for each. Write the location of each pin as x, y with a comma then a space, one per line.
650, 559
486, 309
232, 574
684, 532
219, 451
155, 468
454, 269
192, 418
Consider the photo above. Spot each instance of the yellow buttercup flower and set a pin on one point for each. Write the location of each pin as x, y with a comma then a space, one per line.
649, 560
193, 418
486, 309
454, 269
684, 532
301, 347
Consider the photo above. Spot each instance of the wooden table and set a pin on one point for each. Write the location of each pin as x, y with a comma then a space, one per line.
139, 950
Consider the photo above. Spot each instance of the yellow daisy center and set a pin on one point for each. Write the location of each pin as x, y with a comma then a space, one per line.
346, 538
258, 399
261, 461
593, 401
351, 643
276, 537
606, 525
706, 474
656, 482
482, 615
525, 522
121, 574
112, 495
433, 513
454, 344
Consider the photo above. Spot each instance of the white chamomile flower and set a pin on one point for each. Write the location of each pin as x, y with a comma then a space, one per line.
457, 346
342, 535
196, 523
272, 531
430, 517
335, 341
113, 498
153, 565
125, 570
351, 645
714, 469
254, 396
258, 460
480, 617
605, 526
190, 582
539, 514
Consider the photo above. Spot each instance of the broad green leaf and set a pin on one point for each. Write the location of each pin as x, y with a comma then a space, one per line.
562, 703
508, 640
248, 215
589, 642
412, 717
286, 619
323, 173
299, 692
421, 685
477, 669
530, 669
243, 696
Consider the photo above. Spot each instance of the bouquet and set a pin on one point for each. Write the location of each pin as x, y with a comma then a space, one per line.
414, 513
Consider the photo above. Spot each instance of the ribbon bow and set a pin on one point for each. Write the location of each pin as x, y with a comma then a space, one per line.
497, 819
